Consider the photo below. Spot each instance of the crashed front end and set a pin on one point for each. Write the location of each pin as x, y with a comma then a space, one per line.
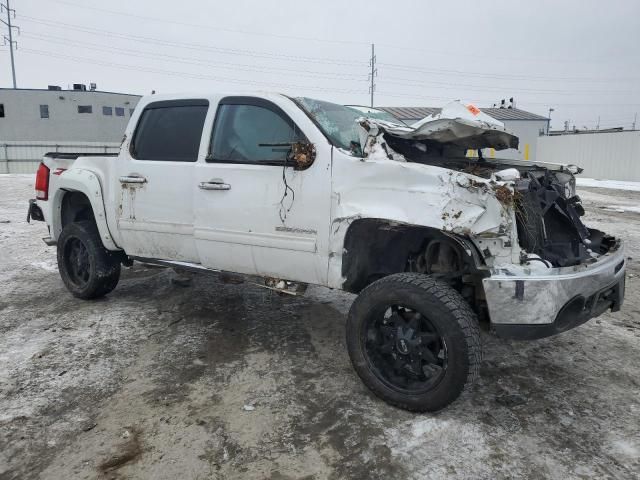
545, 271
568, 273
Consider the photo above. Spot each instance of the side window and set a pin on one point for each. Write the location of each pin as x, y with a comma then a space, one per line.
85, 109
170, 131
107, 111
251, 134
119, 112
44, 111
1, 110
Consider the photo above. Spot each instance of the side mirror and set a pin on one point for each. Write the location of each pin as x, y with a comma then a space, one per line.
302, 155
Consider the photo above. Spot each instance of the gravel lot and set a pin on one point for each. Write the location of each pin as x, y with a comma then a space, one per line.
224, 380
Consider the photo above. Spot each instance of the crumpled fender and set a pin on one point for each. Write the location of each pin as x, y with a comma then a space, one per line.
87, 182
417, 194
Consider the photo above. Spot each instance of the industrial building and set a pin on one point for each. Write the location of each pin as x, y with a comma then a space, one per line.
526, 125
36, 121
64, 115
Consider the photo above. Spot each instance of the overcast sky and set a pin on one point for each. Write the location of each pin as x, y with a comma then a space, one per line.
580, 57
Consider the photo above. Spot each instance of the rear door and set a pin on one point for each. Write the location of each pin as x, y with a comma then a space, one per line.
156, 178
253, 212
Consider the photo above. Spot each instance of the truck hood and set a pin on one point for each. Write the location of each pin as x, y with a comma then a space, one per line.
443, 139
457, 124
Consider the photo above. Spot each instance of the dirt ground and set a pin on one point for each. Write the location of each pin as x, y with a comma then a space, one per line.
230, 381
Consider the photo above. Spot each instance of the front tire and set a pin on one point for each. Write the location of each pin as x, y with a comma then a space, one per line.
414, 341
87, 269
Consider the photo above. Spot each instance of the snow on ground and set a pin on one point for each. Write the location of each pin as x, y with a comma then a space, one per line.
622, 208
612, 184
152, 381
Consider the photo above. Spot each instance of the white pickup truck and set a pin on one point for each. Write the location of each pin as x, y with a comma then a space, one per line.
434, 242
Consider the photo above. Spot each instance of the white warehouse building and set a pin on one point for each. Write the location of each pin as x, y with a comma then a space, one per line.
36, 121
526, 125
64, 115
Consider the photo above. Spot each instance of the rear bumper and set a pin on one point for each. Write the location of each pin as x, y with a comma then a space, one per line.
35, 213
543, 304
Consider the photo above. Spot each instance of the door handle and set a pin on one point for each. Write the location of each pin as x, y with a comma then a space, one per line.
133, 179
215, 184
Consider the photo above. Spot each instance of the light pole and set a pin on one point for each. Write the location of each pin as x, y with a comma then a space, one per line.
549, 123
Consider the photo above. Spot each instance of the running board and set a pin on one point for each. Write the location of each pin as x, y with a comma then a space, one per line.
275, 284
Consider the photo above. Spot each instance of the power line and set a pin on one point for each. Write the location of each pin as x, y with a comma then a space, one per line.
286, 58
9, 39
259, 83
182, 74
196, 61
256, 54
314, 39
494, 58
209, 27
193, 46
589, 105
413, 68
430, 97
313, 74
400, 81
410, 82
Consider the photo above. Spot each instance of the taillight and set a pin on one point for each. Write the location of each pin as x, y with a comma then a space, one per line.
42, 182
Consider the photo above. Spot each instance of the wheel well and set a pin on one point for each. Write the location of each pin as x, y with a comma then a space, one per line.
375, 248
75, 207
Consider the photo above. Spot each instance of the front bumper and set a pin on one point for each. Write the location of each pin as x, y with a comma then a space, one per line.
545, 303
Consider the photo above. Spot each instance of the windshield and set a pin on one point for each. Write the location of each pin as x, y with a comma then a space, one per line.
371, 112
338, 122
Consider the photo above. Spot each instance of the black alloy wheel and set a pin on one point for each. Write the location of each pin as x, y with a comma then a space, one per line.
87, 269
405, 348
76, 260
414, 341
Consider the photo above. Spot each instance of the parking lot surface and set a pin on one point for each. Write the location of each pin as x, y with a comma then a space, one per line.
227, 380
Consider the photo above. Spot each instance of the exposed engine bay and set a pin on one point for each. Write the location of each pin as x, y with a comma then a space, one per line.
548, 220
542, 196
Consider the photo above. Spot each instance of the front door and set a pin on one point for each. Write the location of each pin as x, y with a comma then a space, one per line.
156, 177
254, 213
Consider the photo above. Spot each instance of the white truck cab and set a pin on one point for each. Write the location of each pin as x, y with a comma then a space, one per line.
318, 193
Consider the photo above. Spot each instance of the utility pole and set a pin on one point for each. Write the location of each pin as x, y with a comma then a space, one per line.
374, 72
9, 39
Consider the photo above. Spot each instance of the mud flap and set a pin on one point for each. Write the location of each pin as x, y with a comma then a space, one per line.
34, 211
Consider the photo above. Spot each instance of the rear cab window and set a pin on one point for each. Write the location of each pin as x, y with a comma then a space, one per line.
170, 130
252, 130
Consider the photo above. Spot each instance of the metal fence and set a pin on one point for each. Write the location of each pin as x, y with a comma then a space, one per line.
604, 156
24, 157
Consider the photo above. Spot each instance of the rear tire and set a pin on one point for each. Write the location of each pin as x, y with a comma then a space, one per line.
87, 269
414, 341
